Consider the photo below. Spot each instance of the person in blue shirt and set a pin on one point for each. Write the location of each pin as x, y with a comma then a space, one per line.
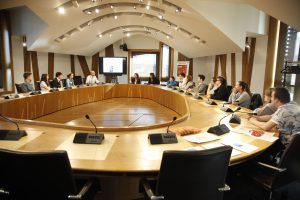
172, 81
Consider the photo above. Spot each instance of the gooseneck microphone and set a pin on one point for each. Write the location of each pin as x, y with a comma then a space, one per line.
11, 134
88, 118
236, 110
174, 119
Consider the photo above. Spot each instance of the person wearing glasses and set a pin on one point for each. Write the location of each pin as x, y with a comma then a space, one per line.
221, 93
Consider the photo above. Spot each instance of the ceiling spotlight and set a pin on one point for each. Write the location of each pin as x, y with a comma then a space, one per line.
177, 10
94, 1
169, 25
97, 10
24, 44
112, 6
148, 7
61, 10
168, 37
75, 3
197, 39
100, 35
141, 1
247, 46
88, 12
160, 16
176, 28
110, 35
116, 17
90, 23
134, 7
128, 34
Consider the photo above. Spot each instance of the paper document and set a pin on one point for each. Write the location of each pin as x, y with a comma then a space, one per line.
266, 136
201, 137
218, 144
247, 148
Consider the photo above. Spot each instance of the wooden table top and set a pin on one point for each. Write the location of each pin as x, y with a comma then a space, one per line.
123, 150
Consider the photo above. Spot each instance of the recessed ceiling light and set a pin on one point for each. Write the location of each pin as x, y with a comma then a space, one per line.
88, 12
100, 35
134, 7
97, 10
128, 34
148, 7
90, 23
116, 16
61, 10
110, 35
112, 6
24, 44
168, 37
197, 39
141, 1
160, 16
176, 28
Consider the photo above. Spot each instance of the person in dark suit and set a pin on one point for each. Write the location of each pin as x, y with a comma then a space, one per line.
136, 79
57, 81
153, 80
221, 93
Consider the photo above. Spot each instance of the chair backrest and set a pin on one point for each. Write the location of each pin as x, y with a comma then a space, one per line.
64, 82
36, 175
77, 80
37, 85
290, 160
193, 174
256, 101
18, 87
229, 88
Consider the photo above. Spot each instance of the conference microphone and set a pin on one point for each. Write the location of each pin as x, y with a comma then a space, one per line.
88, 118
89, 138
226, 108
222, 128
209, 102
163, 138
174, 119
11, 134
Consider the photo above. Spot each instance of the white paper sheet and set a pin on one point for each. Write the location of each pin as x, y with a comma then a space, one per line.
201, 137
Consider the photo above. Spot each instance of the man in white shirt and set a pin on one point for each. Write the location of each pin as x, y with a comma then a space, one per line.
92, 79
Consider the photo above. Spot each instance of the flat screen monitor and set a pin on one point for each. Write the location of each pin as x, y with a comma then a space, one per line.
113, 65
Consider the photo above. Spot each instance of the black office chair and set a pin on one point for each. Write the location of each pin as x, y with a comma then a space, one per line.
40, 175
64, 82
229, 88
77, 80
18, 87
287, 171
256, 101
191, 175
37, 85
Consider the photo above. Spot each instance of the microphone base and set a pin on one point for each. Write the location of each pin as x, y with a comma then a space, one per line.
235, 119
211, 103
88, 138
226, 109
12, 135
162, 138
219, 130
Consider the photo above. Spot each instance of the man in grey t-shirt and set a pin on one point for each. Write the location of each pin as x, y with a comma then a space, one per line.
286, 118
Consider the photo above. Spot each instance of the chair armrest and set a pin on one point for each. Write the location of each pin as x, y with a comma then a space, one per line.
91, 186
149, 191
225, 188
271, 167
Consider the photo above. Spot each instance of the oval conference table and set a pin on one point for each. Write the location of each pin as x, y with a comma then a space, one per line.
125, 150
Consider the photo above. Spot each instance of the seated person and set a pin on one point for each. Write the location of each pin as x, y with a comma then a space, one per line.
240, 95
57, 81
92, 79
286, 118
153, 80
44, 84
27, 86
70, 81
211, 86
136, 79
201, 87
221, 93
189, 83
171, 81
268, 108
182, 80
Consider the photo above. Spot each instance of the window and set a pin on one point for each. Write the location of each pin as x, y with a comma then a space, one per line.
144, 63
165, 61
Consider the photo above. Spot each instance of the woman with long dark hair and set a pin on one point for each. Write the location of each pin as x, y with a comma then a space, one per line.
240, 94
44, 84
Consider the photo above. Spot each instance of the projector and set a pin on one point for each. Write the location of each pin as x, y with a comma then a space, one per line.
124, 47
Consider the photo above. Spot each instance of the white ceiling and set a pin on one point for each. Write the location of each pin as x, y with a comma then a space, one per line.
51, 25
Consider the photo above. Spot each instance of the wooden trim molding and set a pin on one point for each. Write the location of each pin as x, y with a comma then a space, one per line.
26, 55
223, 60
51, 65
84, 65
95, 63
216, 71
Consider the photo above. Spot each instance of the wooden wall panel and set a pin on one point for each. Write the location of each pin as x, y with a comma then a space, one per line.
72, 63
84, 65
251, 60
216, 71
35, 66
26, 55
223, 60
274, 26
233, 71
109, 52
51, 65
95, 63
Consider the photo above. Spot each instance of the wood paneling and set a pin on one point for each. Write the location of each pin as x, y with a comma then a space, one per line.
251, 60
274, 26
109, 52
26, 55
51, 65
72, 63
84, 65
35, 65
216, 71
223, 60
95, 63
233, 71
